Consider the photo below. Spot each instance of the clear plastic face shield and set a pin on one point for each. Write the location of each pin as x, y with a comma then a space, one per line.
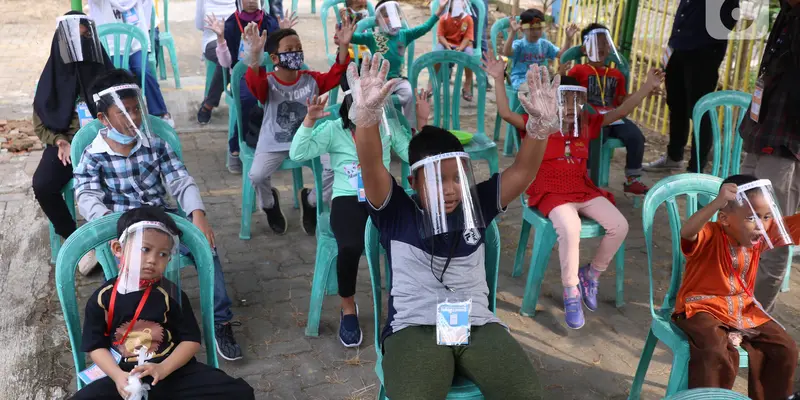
758, 217
571, 100
459, 8
448, 195
248, 5
78, 40
390, 18
598, 45
145, 251
125, 115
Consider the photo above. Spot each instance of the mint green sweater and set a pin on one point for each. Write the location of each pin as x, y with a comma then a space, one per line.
331, 138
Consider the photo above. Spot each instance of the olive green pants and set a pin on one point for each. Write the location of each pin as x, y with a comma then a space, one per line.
415, 367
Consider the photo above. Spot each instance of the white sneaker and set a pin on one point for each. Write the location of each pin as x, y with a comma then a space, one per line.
663, 164
87, 263
168, 119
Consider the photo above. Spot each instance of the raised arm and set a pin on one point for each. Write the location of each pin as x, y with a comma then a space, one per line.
513, 28
695, 223
572, 29
654, 79
420, 30
496, 69
308, 142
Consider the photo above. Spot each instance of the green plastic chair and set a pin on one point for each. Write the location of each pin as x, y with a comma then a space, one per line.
666, 191
313, 6
512, 140
246, 153
480, 26
112, 34
707, 394
165, 39
600, 150
727, 147
447, 100
96, 234
461, 388
327, 6
544, 241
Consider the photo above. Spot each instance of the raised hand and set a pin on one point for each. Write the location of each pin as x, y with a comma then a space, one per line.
494, 67
316, 108
513, 25
541, 103
215, 25
289, 22
654, 78
254, 44
423, 106
572, 29
370, 89
345, 30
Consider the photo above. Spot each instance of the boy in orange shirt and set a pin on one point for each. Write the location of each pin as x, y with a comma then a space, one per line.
456, 32
715, 306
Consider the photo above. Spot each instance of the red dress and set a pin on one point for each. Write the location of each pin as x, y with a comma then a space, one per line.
562, 179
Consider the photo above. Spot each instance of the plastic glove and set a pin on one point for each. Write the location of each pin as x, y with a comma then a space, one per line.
541, 103
370, 90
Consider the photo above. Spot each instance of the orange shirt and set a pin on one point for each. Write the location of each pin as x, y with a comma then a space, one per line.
709, 285
455, 30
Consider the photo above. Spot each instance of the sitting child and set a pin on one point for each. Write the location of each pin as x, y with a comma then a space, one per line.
128, 166
390, 40
532, 48
348, 215
356, 10
435, 245
285, 93
607, 93
563, 191
126, 309
456, 32
715, 301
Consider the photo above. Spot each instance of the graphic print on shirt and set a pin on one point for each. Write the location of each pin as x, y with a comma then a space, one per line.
472, 236
608, 83
290, 117
144, 333
382, 43
351, 171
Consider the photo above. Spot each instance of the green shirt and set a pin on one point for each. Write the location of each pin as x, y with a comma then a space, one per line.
330, 137
393, 47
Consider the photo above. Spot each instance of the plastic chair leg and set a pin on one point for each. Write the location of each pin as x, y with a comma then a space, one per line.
494, 162
679, 375
620, 258
332, 286
162, 68
313, 6
382, 394
322, 269
498, 123
787, 277
333, 96
524, 233
644, 364
55, 245
543, 244
297, 177
248, 202
173, 59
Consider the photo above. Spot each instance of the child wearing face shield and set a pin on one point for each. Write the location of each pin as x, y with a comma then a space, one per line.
715, 306
532, 48
440, 322
140, 312
127, 166
356, 10
606, 89
563, 191
285, 93
390, 39
456, 32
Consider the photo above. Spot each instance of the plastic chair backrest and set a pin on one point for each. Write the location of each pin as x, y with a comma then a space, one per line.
335, 5
447, 99
165, 16
499, 26
84, 137
369, 24
666, 191
576, 54
111, 37
707, 393
98, 233
479, 25
728, 148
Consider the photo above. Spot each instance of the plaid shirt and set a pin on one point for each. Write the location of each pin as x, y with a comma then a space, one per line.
106, 181
778, 128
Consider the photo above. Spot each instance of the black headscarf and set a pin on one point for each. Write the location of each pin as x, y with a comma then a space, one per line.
61, 84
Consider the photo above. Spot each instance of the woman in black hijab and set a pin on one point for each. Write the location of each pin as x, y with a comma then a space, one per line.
61, 106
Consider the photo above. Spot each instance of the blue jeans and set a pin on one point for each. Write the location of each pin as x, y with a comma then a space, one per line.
631, 136
155, 100
222, 303
247, 102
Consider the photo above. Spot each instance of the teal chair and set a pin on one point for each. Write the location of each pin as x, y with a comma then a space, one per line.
667, 191
246, 153
111, 36
165, 39
327, 7
462, 388
600, 150
727, 153
313, 6
707, 394
512, 140
447, 99
544, 241
96, 234
479, 27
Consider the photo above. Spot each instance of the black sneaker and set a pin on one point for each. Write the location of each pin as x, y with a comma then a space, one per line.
349, 331
275, 217
308, 213
227, 347
203, 114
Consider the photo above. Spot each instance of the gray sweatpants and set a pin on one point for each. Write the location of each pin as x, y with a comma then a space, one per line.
265, 164
405, 94
785, 176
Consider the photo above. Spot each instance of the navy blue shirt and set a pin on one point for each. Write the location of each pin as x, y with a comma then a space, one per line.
690, 28
233, 35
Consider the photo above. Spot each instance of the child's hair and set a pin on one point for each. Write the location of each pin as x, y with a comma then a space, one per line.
430, 141
380, 3
590, 28
146, 213
274, 39
344, 108
739, 180
114, 77
530, 15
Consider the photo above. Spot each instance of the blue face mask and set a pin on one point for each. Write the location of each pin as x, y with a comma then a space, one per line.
116, 136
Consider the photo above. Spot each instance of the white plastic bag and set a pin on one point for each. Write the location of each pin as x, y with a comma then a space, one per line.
136, 389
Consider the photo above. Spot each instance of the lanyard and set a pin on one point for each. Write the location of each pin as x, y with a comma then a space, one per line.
135, 315
446, 264
733, 269
238, 21
602, 85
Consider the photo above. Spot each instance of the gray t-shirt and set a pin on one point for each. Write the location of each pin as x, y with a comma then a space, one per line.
284, 112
